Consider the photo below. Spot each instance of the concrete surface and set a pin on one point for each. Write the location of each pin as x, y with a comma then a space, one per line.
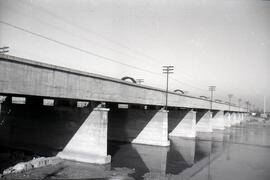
182, 123
204, 119
217, 120
89, 144
227, 119
139, 126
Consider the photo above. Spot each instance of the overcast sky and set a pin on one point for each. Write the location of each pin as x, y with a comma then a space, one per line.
210, 42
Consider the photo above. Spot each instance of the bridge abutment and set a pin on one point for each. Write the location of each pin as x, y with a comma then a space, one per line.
89, 143
182, 123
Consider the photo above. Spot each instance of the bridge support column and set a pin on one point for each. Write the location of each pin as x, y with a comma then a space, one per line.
182, 123
139, 126
156, 131
227, 119
89, 144
217, 120
234, 119
243, 117
239, 118
247, 117
203, 119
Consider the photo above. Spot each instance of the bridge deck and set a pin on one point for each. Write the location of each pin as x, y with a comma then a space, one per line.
20, 76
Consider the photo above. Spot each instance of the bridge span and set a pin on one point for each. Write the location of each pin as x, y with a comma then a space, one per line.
141, 120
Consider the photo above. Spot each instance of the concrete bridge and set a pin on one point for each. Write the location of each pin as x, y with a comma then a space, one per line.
77, 112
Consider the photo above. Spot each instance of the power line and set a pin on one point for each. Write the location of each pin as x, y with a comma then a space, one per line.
110, 40
89, 52
76, 48
188, 84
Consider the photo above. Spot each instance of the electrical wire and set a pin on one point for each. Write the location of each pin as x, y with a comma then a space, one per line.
117, 43
91, 53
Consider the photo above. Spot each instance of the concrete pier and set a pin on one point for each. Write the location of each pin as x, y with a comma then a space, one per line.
182, 123
218, 120
240, 117
156, 131
234, 120
140, 126
227, 119
203, 119
89, 144
243, 117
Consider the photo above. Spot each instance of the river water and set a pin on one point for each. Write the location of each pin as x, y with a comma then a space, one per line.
239, 152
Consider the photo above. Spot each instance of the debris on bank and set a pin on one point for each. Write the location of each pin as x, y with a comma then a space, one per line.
120, 174
34, 163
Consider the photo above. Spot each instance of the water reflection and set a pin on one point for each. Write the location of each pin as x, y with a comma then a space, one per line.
151, 162
239, 152
191, 158
185, 147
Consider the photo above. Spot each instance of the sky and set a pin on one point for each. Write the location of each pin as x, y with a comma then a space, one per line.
225, 43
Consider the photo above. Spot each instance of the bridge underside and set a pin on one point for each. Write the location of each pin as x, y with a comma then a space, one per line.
80, 130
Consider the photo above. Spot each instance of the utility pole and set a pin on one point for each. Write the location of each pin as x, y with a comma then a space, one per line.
139, 81
167, 70
239, 103
212, 89
4, 50
230, 99
264, 105
247, 103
